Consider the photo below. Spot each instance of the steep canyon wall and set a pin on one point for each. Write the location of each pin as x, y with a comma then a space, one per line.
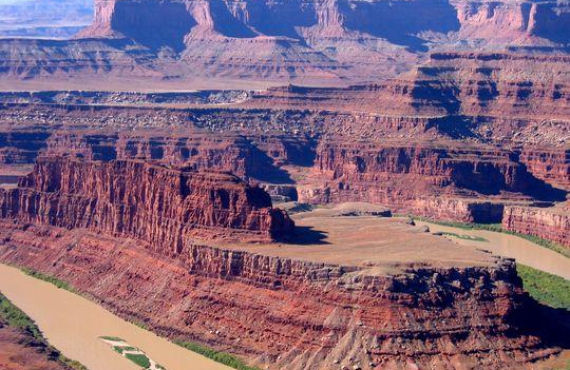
165, 207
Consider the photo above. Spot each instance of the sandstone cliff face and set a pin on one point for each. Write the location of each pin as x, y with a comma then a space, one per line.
506, 20
548, 164
291, 314
319, 41
164, 207
392, 162
547, 223
407, 178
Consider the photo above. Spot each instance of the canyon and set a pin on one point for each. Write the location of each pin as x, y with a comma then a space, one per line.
446, 305
236, 147
324, 42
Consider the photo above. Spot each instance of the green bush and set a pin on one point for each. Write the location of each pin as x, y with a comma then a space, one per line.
546, 288
221, 357
139, 359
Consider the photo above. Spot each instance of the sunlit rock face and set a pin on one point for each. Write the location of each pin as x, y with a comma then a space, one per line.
319, 41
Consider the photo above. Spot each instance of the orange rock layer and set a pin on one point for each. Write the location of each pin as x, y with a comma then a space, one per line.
165, 207
551, 224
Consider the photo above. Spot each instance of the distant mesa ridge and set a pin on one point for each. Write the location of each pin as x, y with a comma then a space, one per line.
283, 40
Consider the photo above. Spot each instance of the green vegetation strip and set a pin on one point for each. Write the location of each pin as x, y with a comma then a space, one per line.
139, 359
546, 288
50, 279
466, 237
498, 228
114, 339
18, 319
221, 357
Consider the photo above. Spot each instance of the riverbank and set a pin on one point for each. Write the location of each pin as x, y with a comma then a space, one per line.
499, 229
74, 325
23, 346
524, 251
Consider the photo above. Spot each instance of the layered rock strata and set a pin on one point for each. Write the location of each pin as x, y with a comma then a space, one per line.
319, 41
165, 207
291, 314
547, 223
407, 178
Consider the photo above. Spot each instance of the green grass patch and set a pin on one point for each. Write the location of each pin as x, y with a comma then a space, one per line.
221, 357
139, 359
465, 237
50, 279
16, 318
114, 339
546, 288
122, 349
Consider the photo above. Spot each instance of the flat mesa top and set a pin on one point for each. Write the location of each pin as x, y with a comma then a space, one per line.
382, 245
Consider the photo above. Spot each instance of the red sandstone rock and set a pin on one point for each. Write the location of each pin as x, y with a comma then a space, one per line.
165, 207
548, 223
319, 40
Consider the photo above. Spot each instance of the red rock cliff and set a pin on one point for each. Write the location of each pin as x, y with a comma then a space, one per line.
162, 206
548, 223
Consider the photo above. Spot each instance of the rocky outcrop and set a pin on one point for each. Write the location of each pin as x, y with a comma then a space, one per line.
297, 314
408, 177
165, 207
549, 164
318, 41
547, 223
312, 154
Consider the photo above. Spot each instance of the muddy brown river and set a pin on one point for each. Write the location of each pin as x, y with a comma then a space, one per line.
522, 250
74, 325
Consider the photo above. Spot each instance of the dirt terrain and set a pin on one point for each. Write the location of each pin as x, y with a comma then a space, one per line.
19, 352
377, 244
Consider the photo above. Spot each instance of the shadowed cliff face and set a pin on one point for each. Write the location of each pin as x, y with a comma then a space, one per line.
155, 25
401, 22
407, 23
550, 21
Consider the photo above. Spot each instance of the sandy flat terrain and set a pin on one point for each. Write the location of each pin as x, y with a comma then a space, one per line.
383, 244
